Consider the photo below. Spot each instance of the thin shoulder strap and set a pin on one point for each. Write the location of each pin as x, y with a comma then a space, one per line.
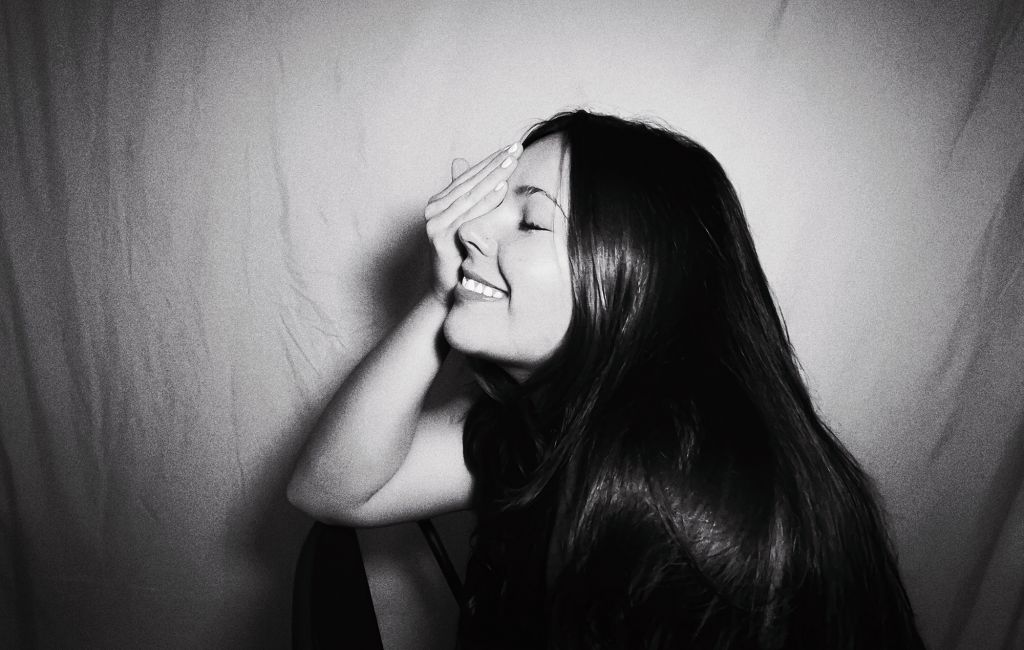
443, 561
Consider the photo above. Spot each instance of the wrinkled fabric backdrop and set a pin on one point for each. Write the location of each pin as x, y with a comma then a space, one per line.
210, 211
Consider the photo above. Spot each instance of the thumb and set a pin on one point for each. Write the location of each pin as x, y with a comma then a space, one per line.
459, 167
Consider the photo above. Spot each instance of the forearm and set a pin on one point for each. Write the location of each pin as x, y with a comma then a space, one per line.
367, 428
357, 465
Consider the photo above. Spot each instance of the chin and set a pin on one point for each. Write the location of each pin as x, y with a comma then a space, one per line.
477, 340
462, 337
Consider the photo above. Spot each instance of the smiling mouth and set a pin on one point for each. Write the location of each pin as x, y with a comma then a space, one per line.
482, 289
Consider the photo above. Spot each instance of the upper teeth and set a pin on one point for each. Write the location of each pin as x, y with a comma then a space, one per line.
477, 287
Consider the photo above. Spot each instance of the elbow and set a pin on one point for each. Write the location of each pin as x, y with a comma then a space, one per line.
298, 495
320, 504
312, 499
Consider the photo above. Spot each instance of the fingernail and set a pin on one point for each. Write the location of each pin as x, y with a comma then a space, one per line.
508, 161
502, 185
514, 148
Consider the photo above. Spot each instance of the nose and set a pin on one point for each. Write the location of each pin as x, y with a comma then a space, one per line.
478, 234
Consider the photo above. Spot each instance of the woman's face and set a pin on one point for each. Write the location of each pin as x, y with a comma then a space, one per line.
514, 299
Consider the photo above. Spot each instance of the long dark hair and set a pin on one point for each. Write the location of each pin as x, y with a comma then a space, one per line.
665, 480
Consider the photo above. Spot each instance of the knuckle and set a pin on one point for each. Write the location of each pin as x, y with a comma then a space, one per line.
463, 203
439, 232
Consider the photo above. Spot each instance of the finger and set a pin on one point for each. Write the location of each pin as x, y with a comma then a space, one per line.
487, 202
469, 178
465, 174
496, 181
500, 167
443, 200
459, 167
442, 203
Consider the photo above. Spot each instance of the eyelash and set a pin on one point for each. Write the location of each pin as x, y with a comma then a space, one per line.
526, 225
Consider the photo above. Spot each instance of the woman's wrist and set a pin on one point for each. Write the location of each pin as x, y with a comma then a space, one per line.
435, 303
432, 310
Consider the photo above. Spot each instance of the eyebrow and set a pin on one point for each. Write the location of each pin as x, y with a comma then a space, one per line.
530, 190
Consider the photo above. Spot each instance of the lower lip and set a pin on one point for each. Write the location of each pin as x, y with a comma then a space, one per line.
465, 294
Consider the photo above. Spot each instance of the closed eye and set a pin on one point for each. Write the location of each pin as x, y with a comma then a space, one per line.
526, 225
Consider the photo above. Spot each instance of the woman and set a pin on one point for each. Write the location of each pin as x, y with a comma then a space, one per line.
645, 462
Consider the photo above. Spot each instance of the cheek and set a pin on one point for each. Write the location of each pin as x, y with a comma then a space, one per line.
542, 305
